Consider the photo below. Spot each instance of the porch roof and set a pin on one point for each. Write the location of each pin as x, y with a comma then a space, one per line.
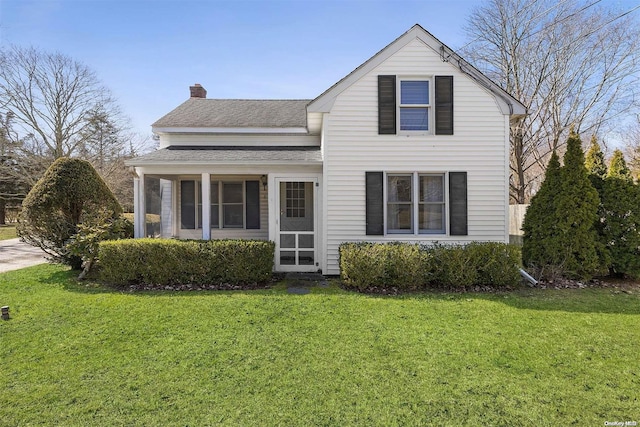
175, 155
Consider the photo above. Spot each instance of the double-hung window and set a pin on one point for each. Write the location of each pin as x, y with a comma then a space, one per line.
431, 203
414, 104
399, 203
416, 202
232, 203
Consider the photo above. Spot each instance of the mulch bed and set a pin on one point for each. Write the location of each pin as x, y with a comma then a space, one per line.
616, 284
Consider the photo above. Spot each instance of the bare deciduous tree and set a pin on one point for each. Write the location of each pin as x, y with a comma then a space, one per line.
570, 63
59, 108
50, 97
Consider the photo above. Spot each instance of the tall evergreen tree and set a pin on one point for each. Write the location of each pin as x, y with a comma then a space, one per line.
594, 160
576, 213
560, 237
618, 167
539, 248
619, 226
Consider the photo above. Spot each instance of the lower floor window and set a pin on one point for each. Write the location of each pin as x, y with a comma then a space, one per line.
228, 204
415, 201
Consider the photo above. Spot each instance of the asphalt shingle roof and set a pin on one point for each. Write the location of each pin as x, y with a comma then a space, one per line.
237, 113
228, 154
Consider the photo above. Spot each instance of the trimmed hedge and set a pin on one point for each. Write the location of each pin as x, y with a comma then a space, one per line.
197, 262
407, 266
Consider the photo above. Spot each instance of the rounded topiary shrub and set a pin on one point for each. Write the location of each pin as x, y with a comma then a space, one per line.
70, 192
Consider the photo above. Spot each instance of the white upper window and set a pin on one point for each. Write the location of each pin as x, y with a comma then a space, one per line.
414, 104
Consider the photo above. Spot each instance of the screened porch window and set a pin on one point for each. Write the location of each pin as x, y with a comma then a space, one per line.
227, 204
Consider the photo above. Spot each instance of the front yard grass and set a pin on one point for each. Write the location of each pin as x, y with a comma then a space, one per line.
8, 231
81, 355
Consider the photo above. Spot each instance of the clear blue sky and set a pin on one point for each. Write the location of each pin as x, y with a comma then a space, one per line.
149, 52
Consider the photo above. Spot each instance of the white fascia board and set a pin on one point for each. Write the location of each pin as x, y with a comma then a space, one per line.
294, 130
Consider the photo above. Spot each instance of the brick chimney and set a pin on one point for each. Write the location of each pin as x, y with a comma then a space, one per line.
197, 91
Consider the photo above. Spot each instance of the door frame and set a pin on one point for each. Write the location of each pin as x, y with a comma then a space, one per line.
274, 220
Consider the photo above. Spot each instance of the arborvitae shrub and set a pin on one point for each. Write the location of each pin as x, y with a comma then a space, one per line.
619, 224
594, 160
69, 193
540, 246
576, 213
618, 167
560, 237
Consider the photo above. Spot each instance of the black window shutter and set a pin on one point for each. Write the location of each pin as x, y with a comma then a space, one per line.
374, 204
252, 190
444, 105
458, 203
187, 205
386, 105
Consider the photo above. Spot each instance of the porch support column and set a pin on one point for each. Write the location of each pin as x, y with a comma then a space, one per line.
139, 216
206, 206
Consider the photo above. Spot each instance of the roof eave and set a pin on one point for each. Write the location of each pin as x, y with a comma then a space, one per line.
228, 130
133, 163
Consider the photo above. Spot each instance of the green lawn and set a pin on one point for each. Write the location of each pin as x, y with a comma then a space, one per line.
83, 355
8, 232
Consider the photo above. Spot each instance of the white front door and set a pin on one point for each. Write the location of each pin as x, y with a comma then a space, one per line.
296, 239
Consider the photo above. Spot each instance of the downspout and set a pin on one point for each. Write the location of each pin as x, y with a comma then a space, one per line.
526, 276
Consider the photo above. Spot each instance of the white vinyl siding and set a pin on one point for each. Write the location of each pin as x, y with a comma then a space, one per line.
352, 146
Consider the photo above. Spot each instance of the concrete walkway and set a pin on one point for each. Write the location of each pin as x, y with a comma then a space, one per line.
15, 254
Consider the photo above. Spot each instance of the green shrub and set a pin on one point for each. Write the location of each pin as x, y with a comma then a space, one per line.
169, 262
90, 233
497, 264
454, 266
70, 193
411, 267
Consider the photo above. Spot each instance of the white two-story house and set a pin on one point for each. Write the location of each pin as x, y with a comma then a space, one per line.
413, 145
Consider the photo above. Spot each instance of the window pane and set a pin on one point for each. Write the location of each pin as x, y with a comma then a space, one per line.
399, 217
215, 216
187, 204
305, 258
431, 218
199, 199
399, 188
288, 241
431, 188
305, 240
287, 258
214, 192
414, 92
215, 206
232, 192
413, 118
233, 216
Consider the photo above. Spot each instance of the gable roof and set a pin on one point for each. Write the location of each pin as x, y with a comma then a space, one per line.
508, 104
236, 113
